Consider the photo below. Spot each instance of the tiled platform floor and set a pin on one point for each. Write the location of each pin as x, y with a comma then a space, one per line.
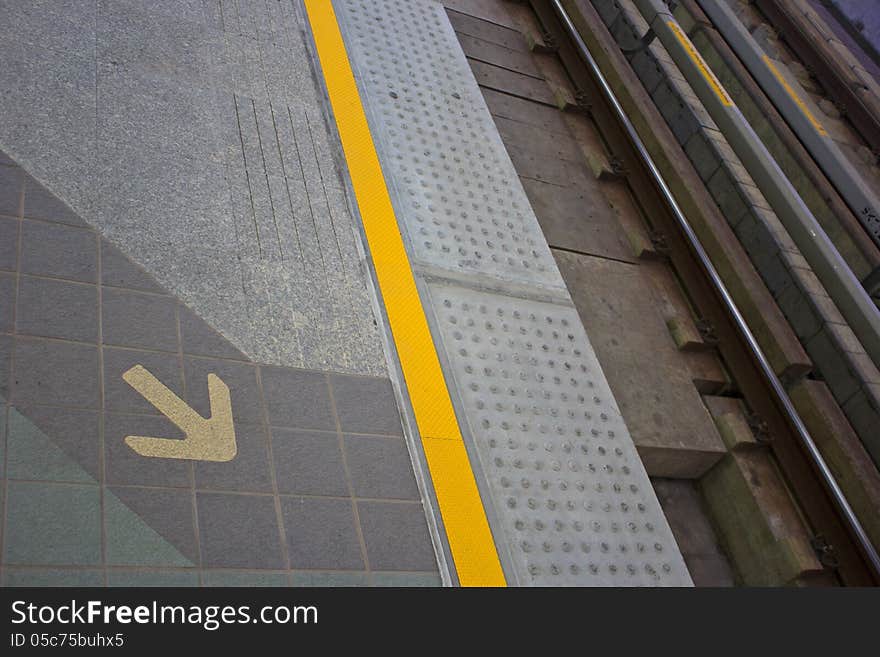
321, 491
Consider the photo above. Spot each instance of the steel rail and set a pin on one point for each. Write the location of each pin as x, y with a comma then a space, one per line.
839, 498
857, 193
829, 70
847, 292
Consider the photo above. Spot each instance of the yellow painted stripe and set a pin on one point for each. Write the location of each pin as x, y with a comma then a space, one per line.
817, 126
700, 63
467, 529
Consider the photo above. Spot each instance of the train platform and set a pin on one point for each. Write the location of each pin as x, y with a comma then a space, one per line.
276, 310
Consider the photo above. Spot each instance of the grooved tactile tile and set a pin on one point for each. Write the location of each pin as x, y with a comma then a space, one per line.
574, 499
458, 195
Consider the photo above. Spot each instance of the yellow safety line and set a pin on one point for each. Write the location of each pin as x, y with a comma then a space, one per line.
794, 96
700, 63
467, 529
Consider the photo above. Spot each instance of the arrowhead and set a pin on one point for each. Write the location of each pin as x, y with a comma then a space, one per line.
211, 439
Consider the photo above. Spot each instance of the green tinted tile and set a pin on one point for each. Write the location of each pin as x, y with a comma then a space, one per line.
131, 541
315, 578
4, 411
52, 577
227, 578
152, 578
406, 579
69, 452
52, 524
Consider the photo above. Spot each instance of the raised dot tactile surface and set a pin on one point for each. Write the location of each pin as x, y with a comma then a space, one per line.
459, 199
575, 503
567, 496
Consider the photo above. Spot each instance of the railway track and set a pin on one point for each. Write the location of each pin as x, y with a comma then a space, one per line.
847, 77
561, 37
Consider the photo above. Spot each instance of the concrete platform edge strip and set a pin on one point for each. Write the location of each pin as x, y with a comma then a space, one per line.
470, 538
539, 431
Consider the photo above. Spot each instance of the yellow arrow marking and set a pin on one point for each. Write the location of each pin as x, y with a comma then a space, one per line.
211, 439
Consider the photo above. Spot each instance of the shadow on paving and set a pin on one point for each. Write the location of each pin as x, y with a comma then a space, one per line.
320, 492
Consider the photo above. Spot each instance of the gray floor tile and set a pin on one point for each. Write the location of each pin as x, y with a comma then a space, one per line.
308, 463
61, 373
297, 398
61, 251
330, 579
39, 203
199, 339
380, 467
241, 379
396, 535
118, 270
366, 405
52, 524
239, 531
41, 577
10, 190
166, 578
8, 244
243, 578
7, 302
407, 580
150, 527
57, 309
122, 398
248, 471
4, 411
56, 444
125, 466
321, 534
133, 319
5, 363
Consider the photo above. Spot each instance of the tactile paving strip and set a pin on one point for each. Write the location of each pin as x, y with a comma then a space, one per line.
574, 500
570, 499
465, 209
